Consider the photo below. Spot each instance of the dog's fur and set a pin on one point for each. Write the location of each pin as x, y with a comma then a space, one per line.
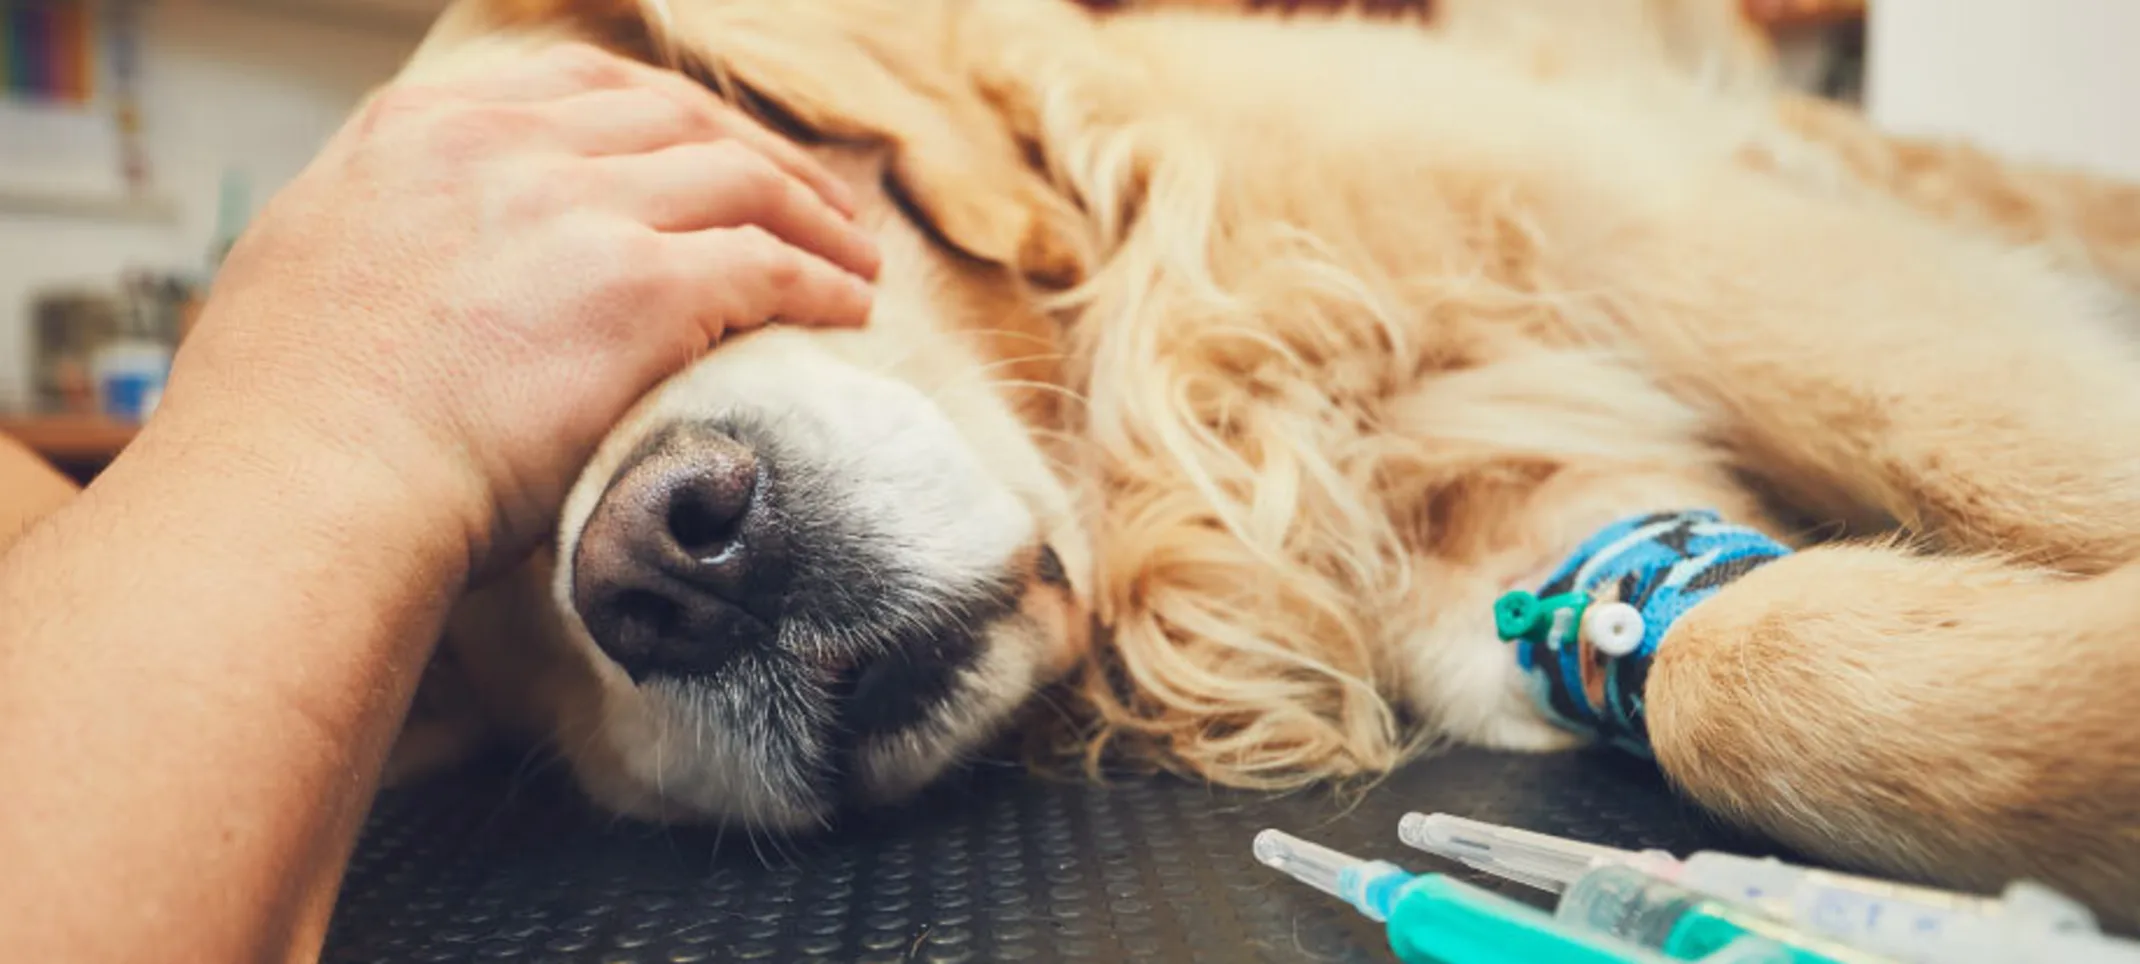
1297, 343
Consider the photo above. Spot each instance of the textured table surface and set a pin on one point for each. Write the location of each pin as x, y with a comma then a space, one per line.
497, 863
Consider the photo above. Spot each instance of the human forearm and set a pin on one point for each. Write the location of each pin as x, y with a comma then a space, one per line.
242, 643
403, 366
29, 490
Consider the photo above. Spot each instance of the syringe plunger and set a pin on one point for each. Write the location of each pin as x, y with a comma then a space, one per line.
1547, 863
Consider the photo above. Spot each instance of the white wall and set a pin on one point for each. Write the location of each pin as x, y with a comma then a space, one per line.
2055, 80
221, 88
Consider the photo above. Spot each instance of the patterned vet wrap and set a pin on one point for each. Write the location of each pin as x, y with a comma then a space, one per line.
1662, 564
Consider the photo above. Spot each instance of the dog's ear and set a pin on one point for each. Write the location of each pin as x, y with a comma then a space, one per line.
901, 73
471, 37
992, 212
889, 72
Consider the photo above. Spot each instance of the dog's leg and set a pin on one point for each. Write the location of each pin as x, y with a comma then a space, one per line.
1456, 675
1964, 717
1873, 364
1950, 718
2089, 221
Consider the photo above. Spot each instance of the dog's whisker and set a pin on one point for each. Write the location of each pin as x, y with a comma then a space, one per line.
1043, 387
1009, 333
750, 833
1016, 360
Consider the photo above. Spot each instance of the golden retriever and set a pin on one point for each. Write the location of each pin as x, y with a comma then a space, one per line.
1226, 371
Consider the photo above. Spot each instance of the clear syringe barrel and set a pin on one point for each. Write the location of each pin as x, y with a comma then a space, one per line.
1911, 925
1686, 924
1535, 859
1918, 925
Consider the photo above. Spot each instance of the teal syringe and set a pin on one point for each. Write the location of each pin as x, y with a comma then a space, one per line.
1433, 919
1916, 925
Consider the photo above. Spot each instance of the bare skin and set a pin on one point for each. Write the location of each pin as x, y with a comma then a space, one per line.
205, 655
30, 489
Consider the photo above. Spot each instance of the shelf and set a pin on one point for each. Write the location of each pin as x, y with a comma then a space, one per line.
396, 18
70, 438
1785, 15
139, 209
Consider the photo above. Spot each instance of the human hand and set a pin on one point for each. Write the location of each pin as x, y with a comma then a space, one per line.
475, 279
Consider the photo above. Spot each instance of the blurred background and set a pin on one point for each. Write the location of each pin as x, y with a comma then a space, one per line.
137, 137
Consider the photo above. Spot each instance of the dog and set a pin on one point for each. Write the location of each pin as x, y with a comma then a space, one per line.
1225, 371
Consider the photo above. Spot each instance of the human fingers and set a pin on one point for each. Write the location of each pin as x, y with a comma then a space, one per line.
557, 71
733, 122
693, 187
501, 102
606, 103
745, 277
664, 109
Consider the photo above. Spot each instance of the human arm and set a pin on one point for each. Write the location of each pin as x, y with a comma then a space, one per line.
30, 489
204, 657
200, 669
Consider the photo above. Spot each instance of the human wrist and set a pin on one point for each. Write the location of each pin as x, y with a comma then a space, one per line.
374, 484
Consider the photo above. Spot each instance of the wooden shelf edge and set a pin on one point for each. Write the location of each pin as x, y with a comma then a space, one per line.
1786, 15
70, 438
143, 209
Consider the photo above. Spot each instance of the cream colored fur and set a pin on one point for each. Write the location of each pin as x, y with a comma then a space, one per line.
1367, 325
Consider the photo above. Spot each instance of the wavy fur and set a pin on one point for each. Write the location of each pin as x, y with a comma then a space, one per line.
1364, 326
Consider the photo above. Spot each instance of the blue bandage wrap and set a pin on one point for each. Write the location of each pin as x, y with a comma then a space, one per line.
1663, 565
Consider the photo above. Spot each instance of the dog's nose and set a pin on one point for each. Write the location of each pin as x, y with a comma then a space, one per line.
674, 574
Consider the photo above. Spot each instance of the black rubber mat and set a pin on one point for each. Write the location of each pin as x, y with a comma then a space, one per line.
495, 864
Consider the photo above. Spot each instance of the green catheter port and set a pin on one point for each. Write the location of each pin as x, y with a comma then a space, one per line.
1523, 615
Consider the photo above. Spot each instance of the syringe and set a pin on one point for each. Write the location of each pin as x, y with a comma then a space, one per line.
1918, 925
1433, 919
1687, 924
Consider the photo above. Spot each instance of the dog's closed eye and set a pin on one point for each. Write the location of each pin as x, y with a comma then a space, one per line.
1049, 569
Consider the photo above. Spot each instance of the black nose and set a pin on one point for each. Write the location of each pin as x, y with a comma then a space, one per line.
676, 570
